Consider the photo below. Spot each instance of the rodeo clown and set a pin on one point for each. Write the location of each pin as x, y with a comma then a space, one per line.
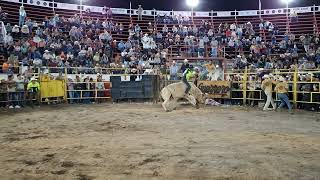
189, 74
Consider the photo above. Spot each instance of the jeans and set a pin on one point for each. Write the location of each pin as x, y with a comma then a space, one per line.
284, 101
214, 52
173, 77
20, 98
269, 101
21, 20
86, 97
71, 96
76, 95
12, 98
185, 81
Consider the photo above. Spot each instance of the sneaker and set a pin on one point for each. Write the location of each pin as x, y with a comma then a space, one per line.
17, 107
11, 107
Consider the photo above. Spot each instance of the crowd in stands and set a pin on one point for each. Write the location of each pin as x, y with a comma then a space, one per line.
88, 44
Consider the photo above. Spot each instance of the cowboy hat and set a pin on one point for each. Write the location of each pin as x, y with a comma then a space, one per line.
266, 76
281, 78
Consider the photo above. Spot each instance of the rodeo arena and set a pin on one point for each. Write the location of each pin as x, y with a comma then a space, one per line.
113, 93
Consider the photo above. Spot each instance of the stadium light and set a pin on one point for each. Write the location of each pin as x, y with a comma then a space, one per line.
286, 1
192, 3
287, 11
80, 8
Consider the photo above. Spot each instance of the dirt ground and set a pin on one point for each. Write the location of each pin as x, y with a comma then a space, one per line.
141, 141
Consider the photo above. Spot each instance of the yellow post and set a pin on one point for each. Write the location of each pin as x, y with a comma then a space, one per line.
244, 85
295, 87
65, 85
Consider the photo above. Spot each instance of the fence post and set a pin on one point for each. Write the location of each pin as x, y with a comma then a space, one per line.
295, 87
66, 85
244, 85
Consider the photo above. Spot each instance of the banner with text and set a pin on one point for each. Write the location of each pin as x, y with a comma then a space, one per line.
215, 89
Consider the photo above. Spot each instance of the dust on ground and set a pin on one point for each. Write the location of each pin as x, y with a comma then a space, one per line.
140, 141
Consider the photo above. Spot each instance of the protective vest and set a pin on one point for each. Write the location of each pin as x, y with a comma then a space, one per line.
34, 87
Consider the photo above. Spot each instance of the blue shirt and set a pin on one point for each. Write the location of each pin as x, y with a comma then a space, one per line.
174, 69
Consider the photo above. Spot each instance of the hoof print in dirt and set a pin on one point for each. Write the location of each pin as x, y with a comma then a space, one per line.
29, 162
155, 173
67, 164
59, 172
84, 177
97, 155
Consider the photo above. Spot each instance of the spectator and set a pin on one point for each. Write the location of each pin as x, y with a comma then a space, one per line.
140, 10
100, 88
174, 69
109, 13
11, 84
20, 91
22, 16
3, 93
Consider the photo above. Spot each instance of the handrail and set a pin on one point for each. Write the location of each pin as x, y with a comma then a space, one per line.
75, 7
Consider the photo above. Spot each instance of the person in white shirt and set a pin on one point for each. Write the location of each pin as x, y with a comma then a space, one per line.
233, 27
165, 29
210, 33
25, 30
8, 39
214, 48
22, 16
174, 29
201, 47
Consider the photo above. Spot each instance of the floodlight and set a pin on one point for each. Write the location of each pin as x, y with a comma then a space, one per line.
287, 1
192, 3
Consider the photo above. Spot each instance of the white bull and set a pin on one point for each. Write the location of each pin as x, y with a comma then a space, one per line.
173, 92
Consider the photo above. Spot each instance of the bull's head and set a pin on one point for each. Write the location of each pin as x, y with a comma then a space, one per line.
201, 99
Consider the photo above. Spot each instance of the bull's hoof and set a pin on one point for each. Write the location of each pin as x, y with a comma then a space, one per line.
197, 106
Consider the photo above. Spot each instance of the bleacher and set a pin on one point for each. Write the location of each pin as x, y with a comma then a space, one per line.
307, 23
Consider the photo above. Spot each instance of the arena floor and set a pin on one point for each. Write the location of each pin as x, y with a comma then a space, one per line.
141, 141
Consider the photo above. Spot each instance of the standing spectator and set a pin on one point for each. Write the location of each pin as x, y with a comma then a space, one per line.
306, 43
70, 86
109, 13
174, 69
20, 90
104, 11
293, 16
11, 92
22, 16
3, 93
78, 89
140, 10
214, 48
100, 88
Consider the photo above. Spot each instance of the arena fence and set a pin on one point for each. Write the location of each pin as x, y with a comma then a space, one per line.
243, 86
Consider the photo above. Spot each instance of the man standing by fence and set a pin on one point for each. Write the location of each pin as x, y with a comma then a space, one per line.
20, 90
267, 88
174, 69
33, 91
3, 93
